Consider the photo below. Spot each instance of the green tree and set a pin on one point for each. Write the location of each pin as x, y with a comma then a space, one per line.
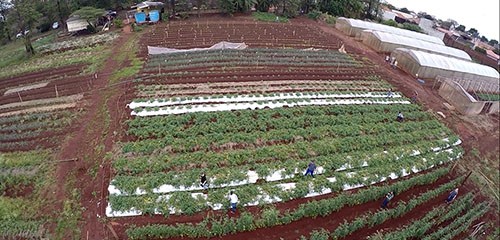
405, 10
343, 8
288, 8
492, 42
372, 9
24, 15
412, 27
244, 5
90, 14
484, 39
473, 32
460, 28
227, 6
5, 35
263, 5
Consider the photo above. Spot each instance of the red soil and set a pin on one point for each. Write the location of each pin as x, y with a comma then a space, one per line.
92, 133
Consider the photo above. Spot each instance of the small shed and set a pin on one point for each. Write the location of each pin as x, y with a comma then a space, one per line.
75, 24
148, 11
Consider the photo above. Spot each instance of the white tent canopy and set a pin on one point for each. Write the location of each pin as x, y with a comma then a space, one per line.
354, 27
387, 42
220, 45
428, 65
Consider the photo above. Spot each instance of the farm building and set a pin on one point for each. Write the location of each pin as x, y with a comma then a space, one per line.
387, 42
354, 27
75, 23
464, 102
429, 65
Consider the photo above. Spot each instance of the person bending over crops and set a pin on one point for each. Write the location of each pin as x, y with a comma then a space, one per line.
400, 117
310, 169
387, 199
453, 194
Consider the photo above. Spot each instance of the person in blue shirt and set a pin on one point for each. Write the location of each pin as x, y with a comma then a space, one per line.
310, 169
387, 199
453, 194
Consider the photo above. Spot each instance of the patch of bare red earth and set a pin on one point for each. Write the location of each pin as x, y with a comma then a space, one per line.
84, 144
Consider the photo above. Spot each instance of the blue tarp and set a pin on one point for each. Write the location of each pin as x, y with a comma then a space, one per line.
154, 16
140, 17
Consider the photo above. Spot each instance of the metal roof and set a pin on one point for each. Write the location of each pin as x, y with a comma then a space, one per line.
416, 43
384, 28
449, 63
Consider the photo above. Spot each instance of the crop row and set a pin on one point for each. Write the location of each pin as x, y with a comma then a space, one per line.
260, 85
181, 109
296, 150
261, 73
418, 228
185, 122
261, 121
21, 168
158, 102
269, 171
372, 219
189, 203
219, 226
267, 135
33, 117
253, 52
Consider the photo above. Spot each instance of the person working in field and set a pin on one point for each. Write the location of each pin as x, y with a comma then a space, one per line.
387, 199
310, 169
453, 194
203, 181
400, 117
233, 200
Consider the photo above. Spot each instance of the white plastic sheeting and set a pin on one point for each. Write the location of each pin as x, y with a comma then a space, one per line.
428, 65
354, 27
220, 45
387, 42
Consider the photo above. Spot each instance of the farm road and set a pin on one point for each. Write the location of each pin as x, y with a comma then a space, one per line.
97, 131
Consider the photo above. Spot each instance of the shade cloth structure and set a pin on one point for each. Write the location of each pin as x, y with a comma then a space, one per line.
148, 4
387, 42
217, 46
429, 65
354, 27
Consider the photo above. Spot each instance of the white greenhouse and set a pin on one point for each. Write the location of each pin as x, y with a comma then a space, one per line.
354, 27
387, 42
428, 65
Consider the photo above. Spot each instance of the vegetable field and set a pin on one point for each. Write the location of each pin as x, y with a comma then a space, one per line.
252, 120
40, 101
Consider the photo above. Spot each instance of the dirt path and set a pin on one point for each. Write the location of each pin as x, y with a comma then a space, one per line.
89, 144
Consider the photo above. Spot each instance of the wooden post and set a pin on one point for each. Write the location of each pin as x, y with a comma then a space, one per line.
57, 93
19, 95
465, 179
112, 231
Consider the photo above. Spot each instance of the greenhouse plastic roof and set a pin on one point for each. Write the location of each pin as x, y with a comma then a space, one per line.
384, 28
416, 43
449, 63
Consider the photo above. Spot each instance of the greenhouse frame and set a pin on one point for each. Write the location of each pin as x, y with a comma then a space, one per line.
430, 66
354, 27
387, 42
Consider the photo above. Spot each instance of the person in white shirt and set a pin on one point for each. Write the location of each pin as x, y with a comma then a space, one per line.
233, 199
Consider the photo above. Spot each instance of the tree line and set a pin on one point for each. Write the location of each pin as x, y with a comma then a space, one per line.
25, 16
